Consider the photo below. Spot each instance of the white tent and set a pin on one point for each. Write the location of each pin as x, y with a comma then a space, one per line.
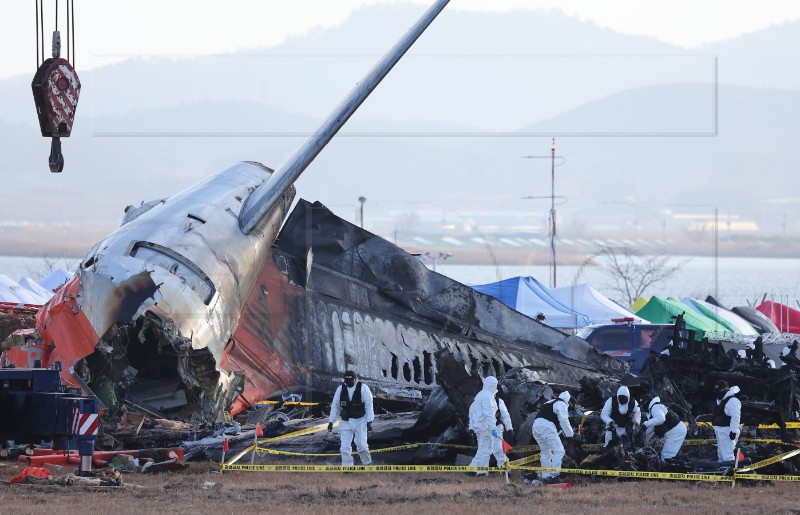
585, 299
55, 279
730, 317
39, 292
11, 291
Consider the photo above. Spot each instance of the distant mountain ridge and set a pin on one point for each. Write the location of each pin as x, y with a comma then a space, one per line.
587, 84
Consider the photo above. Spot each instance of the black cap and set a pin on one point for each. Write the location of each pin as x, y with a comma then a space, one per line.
720, 385
349, 374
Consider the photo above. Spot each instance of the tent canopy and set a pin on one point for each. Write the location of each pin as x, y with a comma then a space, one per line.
785, 317
731, 322
530, 297
661, 311
585, 299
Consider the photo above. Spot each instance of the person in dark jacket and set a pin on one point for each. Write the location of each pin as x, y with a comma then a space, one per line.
552, 418
621, 413
353, 403
664, 423
727, 416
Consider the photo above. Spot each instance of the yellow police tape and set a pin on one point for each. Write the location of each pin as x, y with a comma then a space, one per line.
770, 461
457, 468
301, 432
768, 477
789, 425
796, 443
518, 464
525, 460
641, 474
515, 450
372, 451
360, 468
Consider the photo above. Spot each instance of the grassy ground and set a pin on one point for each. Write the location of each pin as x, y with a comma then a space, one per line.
254, 492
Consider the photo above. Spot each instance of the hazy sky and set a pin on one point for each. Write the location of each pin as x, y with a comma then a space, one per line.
109, 31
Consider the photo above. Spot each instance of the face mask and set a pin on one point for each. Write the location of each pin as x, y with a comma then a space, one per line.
350, 382
623, 399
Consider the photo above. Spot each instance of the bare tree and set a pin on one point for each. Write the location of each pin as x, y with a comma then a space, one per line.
50, 262
633, 272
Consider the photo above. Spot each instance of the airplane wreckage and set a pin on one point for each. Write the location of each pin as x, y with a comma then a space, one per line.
223, 295
217, 297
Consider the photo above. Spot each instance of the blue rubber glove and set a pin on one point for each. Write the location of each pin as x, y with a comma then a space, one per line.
494, 433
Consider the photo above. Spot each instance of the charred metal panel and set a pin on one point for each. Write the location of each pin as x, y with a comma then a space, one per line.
386, 279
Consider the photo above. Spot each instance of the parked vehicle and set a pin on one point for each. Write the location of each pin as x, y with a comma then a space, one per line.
628, 341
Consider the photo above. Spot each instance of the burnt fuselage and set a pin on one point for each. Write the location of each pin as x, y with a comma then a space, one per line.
335, 297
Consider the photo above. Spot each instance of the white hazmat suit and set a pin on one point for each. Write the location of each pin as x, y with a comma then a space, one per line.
621, 413
674, 436
732, 409
483, 420
354, 428
546, 433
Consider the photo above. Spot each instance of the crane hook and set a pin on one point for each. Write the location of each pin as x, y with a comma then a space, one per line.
56, 159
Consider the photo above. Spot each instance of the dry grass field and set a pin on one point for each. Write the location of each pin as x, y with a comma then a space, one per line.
252, 492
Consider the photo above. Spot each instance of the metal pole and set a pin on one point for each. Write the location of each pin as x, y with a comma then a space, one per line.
362, 200
716, 253
553, 213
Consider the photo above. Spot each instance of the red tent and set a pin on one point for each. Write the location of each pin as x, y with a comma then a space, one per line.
786, 318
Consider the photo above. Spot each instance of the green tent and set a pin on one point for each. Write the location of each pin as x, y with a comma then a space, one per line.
661, 311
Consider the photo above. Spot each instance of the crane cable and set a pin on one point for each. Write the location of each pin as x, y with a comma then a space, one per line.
39, 14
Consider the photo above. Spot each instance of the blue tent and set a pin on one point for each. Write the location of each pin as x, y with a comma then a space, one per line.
585, 299
530, 297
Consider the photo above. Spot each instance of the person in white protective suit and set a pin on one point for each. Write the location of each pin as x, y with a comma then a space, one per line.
552, 416
727, 417
483, 420
353, 403
664, 423
620, 413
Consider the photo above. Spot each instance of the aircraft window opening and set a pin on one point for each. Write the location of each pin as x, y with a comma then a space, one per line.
406, 372
487, 366
427, 367
89, 262
475, 364
417, 369
498, 367
394, 365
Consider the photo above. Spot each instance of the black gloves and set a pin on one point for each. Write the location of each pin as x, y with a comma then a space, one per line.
330, 426
369, 427
611, 426
508, 436
733, 435
577, 437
